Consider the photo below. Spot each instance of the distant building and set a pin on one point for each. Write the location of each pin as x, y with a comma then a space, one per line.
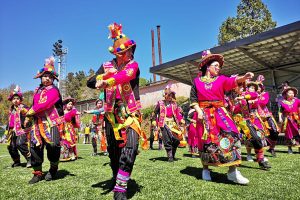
149, 94
152, 93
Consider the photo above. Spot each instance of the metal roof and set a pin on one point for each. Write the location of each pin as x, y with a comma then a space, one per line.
274, 53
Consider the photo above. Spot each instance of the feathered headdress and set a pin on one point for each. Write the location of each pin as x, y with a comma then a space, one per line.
48, 67
260, 79
169, 91
115, 31
121, 42
16, 91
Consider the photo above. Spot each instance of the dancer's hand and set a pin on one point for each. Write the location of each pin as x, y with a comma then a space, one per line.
249, 75
100, 84
200, 116
26, 121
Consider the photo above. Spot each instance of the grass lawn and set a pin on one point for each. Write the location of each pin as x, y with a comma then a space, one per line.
153, 178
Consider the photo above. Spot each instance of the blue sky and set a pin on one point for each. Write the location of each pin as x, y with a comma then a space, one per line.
29, 28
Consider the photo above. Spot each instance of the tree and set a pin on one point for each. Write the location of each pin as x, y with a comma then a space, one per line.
143, 82
252, 17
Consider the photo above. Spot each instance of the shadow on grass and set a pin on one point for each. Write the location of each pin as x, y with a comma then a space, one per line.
108, 186
295, 151
245, 166
165, 159
133, 187
159, 158
215, 176
62, 174
23, 164
189, 155
155, 149
107, 163
254, 155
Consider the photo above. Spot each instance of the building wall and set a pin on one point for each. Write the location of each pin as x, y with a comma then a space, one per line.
86, 105
151, 94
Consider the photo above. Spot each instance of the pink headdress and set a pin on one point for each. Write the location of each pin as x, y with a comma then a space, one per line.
169, 91
16, 91
260, 79
48, 67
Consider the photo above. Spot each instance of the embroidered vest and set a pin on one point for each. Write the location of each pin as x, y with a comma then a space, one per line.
163, 113
126, 93
51, 114
15, 118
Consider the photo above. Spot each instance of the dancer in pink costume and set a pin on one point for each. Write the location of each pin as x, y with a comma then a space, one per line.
250, 124
16, 134
219, 141
192, 133
120, 80
289, 116
267, 116
169, 119
69, 138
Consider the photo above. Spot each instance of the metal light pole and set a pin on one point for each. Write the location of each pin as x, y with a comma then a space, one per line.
60, 53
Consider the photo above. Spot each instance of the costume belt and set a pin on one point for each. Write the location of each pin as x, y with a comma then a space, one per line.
293, 115
211, 104
131, 121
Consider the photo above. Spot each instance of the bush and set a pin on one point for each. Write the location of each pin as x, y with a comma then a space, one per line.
147, 112
181, 100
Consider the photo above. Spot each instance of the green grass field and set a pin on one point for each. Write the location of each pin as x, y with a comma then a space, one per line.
153, 178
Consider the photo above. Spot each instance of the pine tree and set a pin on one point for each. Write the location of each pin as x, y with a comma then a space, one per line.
252, 17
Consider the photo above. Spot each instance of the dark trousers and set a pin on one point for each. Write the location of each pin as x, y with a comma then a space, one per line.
121, 157
273, 131
94, 144
18, 143
170, 142
151, 138
87, 138
53, 150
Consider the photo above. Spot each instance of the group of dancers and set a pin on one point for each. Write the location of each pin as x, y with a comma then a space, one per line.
216, 122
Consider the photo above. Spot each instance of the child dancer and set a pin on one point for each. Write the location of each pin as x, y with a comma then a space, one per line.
17, 135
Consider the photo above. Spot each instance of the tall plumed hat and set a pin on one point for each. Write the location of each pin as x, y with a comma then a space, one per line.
48, 67
16, 91
207, 56
121, 42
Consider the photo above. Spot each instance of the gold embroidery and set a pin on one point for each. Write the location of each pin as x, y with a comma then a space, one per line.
206, 79
208, 86
129, 72
126, 87
99, 77
111, 82
30, 112
43, 97
288, 102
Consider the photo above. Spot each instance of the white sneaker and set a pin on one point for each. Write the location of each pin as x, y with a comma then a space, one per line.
237, 177
206, 175
266, 159
249, 158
